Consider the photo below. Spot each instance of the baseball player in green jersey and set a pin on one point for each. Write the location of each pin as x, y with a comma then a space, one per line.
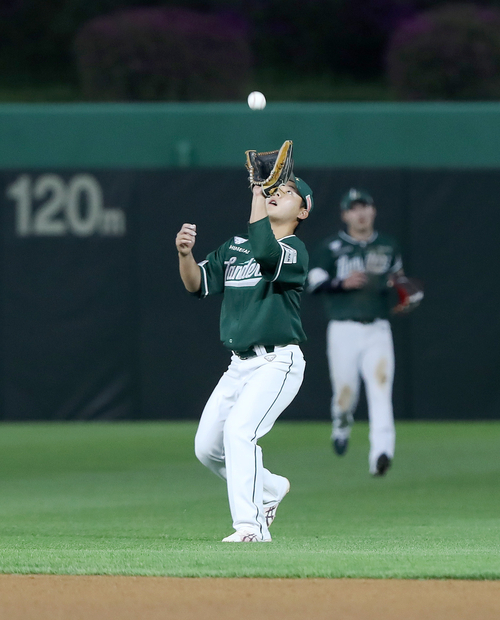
352, 270
261, 275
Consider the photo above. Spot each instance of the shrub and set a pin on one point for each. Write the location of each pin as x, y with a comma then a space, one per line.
366, 27
314, 36
451, 52
163, 54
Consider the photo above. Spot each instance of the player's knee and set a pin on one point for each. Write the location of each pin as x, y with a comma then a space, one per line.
344, 399
202, 451
235, 430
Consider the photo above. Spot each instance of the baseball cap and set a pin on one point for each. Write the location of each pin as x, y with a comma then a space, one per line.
355, 195
304, 191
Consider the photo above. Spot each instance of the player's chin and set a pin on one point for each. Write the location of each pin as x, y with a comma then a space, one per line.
276, 214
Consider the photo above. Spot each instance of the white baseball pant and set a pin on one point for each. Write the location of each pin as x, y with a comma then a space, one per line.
357, 350
244, 406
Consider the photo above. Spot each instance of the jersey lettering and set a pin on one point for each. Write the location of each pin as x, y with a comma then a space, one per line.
378, 263
346, 266
238, 249
374, 263
247, 274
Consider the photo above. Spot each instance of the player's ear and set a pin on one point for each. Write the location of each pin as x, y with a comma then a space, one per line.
303, 214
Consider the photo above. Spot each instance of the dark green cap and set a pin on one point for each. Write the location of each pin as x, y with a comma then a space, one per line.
304, 191
353, 196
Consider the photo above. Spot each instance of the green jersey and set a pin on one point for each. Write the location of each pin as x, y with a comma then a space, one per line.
339, 256
261, 279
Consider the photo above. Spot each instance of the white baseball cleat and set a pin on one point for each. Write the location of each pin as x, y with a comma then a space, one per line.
270, 509
245, 536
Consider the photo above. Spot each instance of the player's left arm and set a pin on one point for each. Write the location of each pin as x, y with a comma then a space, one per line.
396, 266
410, 291
266, 249
259, 211
284, 261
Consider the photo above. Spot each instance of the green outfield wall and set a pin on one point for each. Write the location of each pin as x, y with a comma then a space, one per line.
95, 323
205, 135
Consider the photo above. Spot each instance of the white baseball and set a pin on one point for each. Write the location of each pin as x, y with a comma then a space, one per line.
256, 100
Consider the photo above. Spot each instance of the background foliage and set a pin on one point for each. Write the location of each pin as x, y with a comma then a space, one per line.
451, 52
289, 39
164, 53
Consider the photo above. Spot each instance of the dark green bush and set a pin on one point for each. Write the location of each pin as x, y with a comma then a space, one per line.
164, 54
303, 38
447, 53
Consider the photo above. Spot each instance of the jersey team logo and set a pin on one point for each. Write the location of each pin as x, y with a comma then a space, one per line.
244, 275
374, 262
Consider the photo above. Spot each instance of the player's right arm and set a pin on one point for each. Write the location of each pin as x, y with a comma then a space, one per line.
320, 281
188, 267
357, 279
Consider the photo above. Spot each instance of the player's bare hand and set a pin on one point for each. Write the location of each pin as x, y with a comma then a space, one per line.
357, 279
185, 239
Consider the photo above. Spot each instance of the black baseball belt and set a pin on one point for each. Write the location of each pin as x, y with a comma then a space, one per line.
245, 355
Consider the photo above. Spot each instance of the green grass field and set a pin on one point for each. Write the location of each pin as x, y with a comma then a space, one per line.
131, 499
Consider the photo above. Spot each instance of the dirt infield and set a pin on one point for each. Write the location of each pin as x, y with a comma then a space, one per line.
44, 597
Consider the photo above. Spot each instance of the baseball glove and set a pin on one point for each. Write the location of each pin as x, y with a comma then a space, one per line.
271, 169
410, 293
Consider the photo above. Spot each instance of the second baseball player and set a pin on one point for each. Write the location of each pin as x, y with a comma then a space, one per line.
352, 271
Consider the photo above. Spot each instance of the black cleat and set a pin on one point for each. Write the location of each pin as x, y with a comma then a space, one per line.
340, 445
383, 464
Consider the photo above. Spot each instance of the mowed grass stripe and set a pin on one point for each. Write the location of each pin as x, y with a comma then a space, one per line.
131, 499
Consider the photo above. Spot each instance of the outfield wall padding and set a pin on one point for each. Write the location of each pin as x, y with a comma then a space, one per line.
96, 324
161, 135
